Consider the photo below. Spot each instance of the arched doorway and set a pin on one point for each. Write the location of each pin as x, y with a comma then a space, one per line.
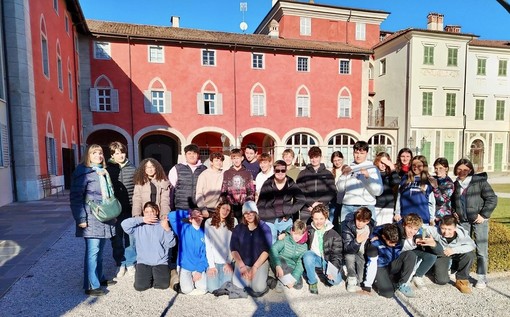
162, 148
477, 153
264, 142
380, 143
104, 138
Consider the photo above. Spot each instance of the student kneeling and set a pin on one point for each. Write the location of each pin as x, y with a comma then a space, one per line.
154, 238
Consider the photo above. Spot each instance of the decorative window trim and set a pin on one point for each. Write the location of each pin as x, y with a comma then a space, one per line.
95, 98
305, 26
298, 59
148, 103
361, 31
213, 52
102, 52
342, 62
262, 62
157, 60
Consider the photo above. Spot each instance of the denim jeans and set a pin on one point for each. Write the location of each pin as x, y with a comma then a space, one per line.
311, 261
480, 233
213, 283
187, 284
258, 283
124, 252
426, 262
147, 276
347, 209
355, 264
279, 226
93, 263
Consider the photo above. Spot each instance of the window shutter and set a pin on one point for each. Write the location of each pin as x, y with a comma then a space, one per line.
115, 100
93, 99
200, 103
49, 155
147, 101
219, 103
168, 102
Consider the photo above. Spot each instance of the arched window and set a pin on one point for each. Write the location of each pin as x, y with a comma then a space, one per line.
60, 72
103, 97
44, 49
344, 103
342, 143
209, 101
303, 102
380, 143
157, 99
258, 100
300, 143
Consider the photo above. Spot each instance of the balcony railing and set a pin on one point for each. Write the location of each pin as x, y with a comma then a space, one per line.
383, 122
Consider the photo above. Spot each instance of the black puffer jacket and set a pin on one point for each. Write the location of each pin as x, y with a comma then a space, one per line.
478, 199
332, 244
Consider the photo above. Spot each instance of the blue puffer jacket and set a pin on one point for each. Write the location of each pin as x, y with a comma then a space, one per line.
85, 185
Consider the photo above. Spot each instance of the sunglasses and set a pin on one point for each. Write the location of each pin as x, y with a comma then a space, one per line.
278, 170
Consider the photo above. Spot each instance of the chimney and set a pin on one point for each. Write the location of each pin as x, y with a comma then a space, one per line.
452, 28
175, 21
435, 21
274, 29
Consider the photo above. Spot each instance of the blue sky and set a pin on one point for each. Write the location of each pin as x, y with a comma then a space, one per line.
485, 18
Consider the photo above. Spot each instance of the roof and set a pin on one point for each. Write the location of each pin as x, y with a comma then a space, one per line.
77, 15
490, 43
195, 36
402, 32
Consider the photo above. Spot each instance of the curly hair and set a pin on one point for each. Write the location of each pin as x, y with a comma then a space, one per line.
141, 177
216, 218
424, 175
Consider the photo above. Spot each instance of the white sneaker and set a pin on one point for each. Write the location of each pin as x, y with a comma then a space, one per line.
482, 282
419, 283
121, 270
352, 283
197, 292
130, 271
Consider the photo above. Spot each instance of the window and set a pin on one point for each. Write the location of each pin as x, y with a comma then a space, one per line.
427, 104
302, 64
55, 6
345, 66
480, 68
258, 107
4, 146
257, 61
428, 55
303, 106
70, 83
208, 58
342, 143
209, 104
305, 26
102, 50
382, 66
156, 54
66, 18
360, 31
300, 143
59, 73
344, 107
379, 143
500, 110
51, 156
452, 56
45, 59
449, 148
502, 67
157, 101
451, 100
104, 99
479, 109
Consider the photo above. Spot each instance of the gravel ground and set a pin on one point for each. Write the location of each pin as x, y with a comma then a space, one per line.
52, 287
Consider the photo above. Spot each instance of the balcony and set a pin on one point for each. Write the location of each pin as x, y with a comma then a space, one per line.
382, 122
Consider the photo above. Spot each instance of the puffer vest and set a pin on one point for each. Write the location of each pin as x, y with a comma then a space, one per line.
186, 187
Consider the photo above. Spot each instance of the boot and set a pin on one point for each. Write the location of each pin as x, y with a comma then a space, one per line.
463, 286
313, 289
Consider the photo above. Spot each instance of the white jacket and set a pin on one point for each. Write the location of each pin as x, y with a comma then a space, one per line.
357, 189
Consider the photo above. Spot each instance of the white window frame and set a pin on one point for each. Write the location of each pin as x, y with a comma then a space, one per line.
210, 103
45, 55
55, 6
361, 31
158, 56
258, 104
102, 50
299, 64
158, 101
342, 68
70, 83
4, 146
60, 73
208, 58
257, 61
95, 95
382, 67
305, 26
303, 106
66, 21
344, 107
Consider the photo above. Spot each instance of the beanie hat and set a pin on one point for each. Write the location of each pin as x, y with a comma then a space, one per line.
250, 206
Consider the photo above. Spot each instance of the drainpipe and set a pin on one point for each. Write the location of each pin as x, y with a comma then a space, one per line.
235, 98
407, 132
131, 99
347, 27
462, 139
9, 114
77, 93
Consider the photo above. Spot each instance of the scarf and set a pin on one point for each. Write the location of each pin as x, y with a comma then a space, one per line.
104, 181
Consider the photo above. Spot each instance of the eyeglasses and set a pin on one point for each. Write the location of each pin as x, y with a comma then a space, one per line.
278, 170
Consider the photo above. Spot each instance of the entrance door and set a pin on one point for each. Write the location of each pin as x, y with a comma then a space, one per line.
68, 166
161, 148
477, 153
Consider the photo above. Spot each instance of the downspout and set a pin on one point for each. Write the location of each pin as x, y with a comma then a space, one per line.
347, 27
9, 114
407, 132
131, 99
462, 138
235, 98
77, 93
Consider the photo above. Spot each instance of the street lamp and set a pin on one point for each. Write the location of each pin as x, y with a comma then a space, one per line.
223, 138
411, 144
240, 139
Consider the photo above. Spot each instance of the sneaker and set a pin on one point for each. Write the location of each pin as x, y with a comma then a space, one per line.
121, 271
299, 284
313, 289
174, 278
463, 286
271, 282
419, 283
94, 292
406, 290
481, 282
279, 287
130, 271
197, 292
352, 283
108, 282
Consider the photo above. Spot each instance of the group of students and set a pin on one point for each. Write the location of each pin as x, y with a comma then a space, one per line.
223, 231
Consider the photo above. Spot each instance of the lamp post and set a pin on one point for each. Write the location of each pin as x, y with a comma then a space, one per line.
223, 137
411, 144
240, 139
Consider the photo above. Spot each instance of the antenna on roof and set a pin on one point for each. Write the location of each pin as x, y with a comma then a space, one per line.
243, 7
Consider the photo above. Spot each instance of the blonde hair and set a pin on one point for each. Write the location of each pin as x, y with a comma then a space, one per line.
85, 159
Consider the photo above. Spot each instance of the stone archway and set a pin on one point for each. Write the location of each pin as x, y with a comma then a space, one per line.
477, 154
104, 138
161, 147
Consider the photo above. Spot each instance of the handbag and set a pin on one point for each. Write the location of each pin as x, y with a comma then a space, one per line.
106, 210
